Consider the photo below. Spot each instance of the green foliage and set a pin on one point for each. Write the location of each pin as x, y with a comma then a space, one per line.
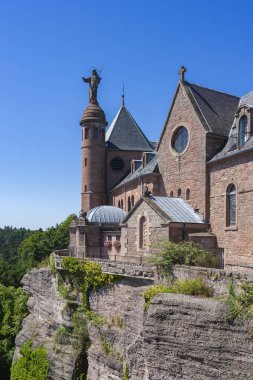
186, 252
62, 335
125, 373
193, 287
40, 244
10, 239
62, 289
109, 349
12, 312
33, 365
86, 275
240, 305
95, 319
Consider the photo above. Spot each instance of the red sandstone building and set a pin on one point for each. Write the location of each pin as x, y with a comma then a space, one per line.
195, 184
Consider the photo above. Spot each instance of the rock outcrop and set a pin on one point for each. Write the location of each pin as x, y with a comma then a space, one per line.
177, 338
47, 313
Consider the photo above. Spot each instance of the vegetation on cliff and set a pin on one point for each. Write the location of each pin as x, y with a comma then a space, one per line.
32, 365
240, 305
183, 253
191, 287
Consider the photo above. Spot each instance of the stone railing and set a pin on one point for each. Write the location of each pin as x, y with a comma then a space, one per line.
217, 279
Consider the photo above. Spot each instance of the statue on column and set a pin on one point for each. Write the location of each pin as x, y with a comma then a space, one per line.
94, 81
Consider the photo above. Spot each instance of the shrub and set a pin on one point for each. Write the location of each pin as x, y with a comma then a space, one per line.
125, 373
240, 306
33, 365
186, 252
109, 349
108, 244
62, 335
116, 244
192, 287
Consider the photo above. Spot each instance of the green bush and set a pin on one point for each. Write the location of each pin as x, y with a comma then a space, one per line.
33, 365
186, 252
12, 312
62, 336
192, 287
240, 306
109, 349
125, 373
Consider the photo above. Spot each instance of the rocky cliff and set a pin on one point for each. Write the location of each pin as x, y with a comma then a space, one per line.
177, 338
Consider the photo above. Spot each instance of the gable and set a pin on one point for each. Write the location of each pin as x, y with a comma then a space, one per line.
144, 209
125, 134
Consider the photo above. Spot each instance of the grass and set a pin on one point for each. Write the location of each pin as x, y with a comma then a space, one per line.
192, 287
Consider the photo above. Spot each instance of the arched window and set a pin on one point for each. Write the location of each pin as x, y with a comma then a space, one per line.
119, 204
243, 130
128, 204
231, 205
171, 194
188, 194
132, 201
179, 192
143, 232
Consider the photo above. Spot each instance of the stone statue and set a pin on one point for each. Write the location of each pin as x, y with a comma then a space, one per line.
94, 81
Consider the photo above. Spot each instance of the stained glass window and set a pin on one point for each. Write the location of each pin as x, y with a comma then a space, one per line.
243, 130
231, 205
180, 139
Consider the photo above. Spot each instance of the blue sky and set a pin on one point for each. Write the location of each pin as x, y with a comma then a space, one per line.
47, 46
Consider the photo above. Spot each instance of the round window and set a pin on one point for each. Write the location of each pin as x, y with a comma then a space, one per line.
117, 163
180, 139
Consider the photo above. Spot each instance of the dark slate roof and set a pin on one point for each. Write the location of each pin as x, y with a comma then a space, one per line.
125, 134
231, 148
177, 209
151, 167
217, 109
106, 215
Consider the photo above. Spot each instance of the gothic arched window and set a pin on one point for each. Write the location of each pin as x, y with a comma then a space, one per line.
143, 232
171, 194
132, 201
121, 204
243, 130
179, 192
231, 205
188, 194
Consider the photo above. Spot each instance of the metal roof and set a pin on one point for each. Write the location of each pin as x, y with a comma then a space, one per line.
177, 209
151, 167
106, 215
125, 134
247, 100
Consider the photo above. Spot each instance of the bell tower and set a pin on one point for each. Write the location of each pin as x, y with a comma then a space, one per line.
93, 125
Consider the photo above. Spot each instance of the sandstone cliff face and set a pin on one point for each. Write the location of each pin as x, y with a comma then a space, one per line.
178, 338
47, 313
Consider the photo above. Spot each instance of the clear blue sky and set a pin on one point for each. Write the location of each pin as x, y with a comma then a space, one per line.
47, 46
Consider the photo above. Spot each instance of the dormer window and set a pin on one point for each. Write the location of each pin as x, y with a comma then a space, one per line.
243, 124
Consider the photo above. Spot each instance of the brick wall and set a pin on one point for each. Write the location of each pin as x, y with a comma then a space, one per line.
237, 241
187, 170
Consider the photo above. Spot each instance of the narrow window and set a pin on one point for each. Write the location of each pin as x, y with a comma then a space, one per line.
117, 237
132, 201
109, 238
179, 192
85, 187
243, 130
95, 133
128, 204
231, 205
171, 194
119, 204
86, 134
85, 161
143, 232
188, 194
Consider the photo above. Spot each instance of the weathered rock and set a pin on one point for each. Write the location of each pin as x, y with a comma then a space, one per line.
177, 338
46, 315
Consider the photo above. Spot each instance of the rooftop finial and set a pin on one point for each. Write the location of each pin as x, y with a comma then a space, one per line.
123, 95
181, 73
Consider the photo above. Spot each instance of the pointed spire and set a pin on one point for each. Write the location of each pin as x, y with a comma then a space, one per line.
123, 95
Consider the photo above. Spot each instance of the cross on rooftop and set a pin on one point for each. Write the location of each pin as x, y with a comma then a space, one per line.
123, 96
181, 73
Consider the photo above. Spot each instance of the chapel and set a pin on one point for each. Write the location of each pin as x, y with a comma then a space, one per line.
195, 183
